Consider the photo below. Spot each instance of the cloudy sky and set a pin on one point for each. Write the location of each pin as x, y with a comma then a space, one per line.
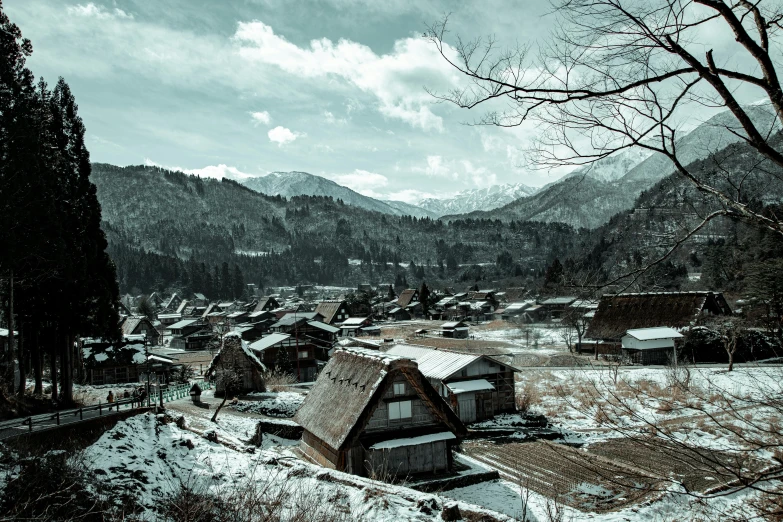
247, 87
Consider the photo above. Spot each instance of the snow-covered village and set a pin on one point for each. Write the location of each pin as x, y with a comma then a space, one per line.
349, 260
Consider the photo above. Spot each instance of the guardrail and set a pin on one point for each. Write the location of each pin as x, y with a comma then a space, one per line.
165, 393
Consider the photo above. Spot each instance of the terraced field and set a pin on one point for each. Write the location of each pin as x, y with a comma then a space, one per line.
578, 479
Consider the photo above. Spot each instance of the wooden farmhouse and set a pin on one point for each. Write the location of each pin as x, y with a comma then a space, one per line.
476, 386
375, 414
305, 356
139, 325
236, 359
333, 312
455, 330
618, 313
650, 345
124, 362
354, 326
265, 304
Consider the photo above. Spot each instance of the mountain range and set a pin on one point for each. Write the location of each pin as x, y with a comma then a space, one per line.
591, 195
290, 184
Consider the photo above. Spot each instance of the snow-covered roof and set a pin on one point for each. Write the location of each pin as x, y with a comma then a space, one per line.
323, 326
558, 301
434, 364
453, 324
354, 321
182, 324
4, 332
649, 334
518, 306
470, 386
270, 340
414, 441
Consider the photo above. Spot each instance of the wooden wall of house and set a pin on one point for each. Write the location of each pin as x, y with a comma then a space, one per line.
397, 463
501, 377
420, 414
319, 451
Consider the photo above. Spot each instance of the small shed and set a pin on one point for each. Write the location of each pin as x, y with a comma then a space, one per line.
650, 345
390, 420
455, 330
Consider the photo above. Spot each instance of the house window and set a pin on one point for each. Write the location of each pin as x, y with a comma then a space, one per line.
399, 410
399, 388
303, 354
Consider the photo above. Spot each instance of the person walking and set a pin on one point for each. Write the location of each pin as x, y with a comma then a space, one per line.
110, 399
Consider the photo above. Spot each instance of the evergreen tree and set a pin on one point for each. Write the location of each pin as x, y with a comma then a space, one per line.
424, 298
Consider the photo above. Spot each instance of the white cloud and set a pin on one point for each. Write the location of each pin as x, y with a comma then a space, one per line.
99, 12
411, 196
211, 171
332, 119
283, 136
362, 181
262, 117
437, 167
480, 176
396, 79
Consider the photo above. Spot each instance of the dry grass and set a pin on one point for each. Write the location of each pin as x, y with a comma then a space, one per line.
527, 397
277, 380
464, 345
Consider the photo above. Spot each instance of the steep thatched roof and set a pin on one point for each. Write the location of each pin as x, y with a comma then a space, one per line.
619, 313
351, 386
233, 341
266, 303
130, 324
406, 297
328, 309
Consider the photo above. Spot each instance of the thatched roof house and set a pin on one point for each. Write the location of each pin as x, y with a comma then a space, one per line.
371, 413
618, 313
408, 297
333, 311
139, 325
236, 365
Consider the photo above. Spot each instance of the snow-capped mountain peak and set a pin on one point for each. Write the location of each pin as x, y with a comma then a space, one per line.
477, 199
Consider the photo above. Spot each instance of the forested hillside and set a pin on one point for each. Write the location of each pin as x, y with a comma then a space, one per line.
163, 226
725, 254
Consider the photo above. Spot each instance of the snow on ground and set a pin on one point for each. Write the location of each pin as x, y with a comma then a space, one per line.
498, 495
151, 460
576, 399
524, 336
282, 404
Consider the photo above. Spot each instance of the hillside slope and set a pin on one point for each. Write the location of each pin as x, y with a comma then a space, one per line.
291, 184
590, 196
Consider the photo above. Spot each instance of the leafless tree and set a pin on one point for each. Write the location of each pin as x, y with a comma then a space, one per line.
730, 331
618, 74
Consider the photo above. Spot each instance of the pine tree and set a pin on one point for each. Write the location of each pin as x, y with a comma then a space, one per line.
424, 298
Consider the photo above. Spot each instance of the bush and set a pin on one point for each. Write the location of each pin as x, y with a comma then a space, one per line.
277, 379
59, 486
527, 398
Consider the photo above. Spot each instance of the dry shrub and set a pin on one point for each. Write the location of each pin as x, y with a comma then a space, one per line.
527, 397
601, 418
276, 380
268, 500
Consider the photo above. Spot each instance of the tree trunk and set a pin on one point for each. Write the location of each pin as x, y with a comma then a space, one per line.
35, 355
22, 363
731, 360
66, 369
11, 326
225, 397
53, 370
